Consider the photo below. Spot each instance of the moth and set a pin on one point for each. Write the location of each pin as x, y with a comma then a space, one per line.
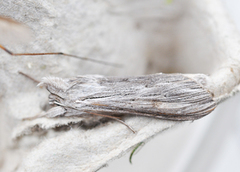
163, 96
174, 97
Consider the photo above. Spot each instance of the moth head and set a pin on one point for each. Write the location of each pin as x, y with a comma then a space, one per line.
54, 85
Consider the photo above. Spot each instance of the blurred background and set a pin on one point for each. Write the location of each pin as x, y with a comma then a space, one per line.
211, 144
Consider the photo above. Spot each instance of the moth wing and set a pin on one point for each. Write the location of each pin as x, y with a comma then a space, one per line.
165, 96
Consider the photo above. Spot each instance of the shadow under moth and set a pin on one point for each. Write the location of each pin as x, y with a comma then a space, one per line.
174, 97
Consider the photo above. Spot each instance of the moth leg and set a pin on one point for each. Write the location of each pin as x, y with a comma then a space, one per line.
35, 117
51, 113
115, 118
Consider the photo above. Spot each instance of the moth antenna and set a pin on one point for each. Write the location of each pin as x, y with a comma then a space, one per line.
29, 77
115, 118
62, 54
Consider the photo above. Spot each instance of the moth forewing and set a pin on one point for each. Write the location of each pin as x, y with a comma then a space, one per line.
163, 96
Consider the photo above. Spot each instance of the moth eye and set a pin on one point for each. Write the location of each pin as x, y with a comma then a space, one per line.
45, 107
54, 99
